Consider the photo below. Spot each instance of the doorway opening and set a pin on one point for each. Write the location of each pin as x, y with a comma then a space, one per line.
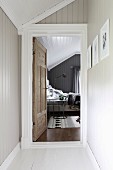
56, 88
37, 30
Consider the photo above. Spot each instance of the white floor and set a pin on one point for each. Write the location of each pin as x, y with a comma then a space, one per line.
52, 159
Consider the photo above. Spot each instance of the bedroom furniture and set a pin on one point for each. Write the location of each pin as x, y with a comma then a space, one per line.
56, 105
70, 100
77, 103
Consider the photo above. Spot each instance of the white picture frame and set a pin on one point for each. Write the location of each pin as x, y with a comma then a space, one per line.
89, 57
95, 48
104, 40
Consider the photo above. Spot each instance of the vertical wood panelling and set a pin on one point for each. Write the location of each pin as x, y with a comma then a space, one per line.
64, 15
19, 74
43, 21
76, 12
9, 87
100, 88
4, 79
1, 87
48, 19
7, 79
53, 18
85, 12
70, 13
59, 16
81, 11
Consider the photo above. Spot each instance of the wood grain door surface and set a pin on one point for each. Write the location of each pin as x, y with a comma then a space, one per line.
39, 89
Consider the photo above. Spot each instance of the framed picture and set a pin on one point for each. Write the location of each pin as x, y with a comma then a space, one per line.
104, 40
89, 57
95, 51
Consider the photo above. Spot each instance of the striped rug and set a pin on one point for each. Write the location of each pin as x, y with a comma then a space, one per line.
59, 122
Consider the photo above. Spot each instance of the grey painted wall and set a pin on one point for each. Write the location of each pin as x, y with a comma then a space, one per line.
9, 87
64, 84
76, 12
100, 88
19, 65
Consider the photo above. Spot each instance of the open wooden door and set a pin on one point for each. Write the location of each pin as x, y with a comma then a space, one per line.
39, 103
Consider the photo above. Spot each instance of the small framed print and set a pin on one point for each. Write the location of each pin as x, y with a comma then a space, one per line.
89, 57
95, 59
104, 40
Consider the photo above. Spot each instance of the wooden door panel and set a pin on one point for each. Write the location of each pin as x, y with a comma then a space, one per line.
41, 124
39, 90
43, 89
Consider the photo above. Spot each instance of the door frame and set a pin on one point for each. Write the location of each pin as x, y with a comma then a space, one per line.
28, 33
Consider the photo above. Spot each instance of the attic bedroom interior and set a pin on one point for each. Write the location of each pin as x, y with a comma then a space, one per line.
56, 88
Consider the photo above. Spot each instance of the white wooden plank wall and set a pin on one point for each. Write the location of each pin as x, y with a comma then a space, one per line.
76, 12
9, 87
100, 88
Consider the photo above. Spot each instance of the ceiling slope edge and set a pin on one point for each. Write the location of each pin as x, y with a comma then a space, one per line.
9, 13
64, 59
46, 13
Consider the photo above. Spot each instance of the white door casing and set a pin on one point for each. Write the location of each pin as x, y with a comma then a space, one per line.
28, 33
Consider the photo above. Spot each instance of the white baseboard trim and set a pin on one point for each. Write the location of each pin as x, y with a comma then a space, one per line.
10, 158
25, 143
38, 145
92, 157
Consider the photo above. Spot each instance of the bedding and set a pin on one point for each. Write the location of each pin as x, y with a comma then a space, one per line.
58, 101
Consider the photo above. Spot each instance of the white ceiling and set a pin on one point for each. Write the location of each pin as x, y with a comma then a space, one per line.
60, 48
24, 11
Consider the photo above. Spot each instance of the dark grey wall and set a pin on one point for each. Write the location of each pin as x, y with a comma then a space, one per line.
64, 84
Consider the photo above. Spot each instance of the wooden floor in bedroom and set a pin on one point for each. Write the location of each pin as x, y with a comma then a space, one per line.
60, 134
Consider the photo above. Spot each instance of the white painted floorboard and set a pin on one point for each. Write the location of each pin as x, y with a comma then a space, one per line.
52, 159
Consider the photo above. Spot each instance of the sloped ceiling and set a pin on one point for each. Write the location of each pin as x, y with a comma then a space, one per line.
60, 48
23, 11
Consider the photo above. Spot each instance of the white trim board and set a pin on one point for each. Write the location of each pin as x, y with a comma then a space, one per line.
92, 158
10, 158
47, 13
36, 30
36, 145
17, 22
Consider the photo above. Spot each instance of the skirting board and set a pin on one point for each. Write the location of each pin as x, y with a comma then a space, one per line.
92, 157
10, 158
37, 145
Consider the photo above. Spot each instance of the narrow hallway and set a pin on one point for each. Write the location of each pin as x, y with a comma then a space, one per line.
52, 159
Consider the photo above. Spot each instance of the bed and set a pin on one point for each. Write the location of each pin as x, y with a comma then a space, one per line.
58, 103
